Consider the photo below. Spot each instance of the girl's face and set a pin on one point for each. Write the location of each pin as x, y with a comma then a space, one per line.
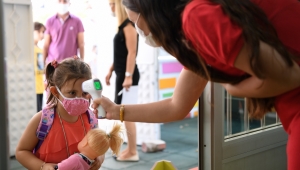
138, 20
39, 35
72, 89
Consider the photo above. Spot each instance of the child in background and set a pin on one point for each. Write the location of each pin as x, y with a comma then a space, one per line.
94, 144
38, 35
69, 105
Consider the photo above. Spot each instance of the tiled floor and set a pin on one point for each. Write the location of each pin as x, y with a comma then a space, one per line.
182, 149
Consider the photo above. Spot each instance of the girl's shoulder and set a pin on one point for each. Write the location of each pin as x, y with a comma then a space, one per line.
34, 122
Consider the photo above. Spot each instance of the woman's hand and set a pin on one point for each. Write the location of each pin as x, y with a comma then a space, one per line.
112, 110
98, 162
107, 78
127, 83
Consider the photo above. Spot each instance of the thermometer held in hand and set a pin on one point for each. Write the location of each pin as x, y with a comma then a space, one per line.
94, 88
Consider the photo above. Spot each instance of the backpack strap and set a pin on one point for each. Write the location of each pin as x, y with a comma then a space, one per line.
92, 119
45, 125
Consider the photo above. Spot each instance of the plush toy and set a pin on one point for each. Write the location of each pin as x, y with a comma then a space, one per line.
94, 144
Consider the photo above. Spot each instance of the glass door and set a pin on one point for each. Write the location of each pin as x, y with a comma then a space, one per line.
233, 141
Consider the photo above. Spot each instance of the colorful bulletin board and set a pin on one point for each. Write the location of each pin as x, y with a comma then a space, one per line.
169, 70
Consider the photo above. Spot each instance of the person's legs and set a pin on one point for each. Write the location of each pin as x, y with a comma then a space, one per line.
39, 100
130, 151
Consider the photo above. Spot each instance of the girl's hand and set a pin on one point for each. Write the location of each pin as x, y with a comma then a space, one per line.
98, 162
127, 83
48, 166
112, 110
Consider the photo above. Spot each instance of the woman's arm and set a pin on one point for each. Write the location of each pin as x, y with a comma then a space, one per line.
108, 76
279, 77
131, 44
188, 89
27, 143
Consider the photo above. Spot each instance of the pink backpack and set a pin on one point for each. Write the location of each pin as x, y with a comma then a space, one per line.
46, 122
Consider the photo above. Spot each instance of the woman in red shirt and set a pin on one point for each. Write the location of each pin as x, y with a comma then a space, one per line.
251, 47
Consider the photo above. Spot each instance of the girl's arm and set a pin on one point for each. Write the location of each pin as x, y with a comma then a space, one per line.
188, 89
27, 143
131, 45
279, 77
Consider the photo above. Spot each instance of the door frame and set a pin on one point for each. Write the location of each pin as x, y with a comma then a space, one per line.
4, 143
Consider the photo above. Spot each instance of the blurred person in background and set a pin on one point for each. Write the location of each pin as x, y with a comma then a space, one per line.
38, 35
127, 73
64, 35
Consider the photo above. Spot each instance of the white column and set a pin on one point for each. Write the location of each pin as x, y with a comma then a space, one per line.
147, 61
20, 67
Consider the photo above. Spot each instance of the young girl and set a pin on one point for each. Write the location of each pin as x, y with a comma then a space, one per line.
69, 105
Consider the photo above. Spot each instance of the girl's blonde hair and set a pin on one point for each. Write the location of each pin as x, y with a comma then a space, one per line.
120, 12
99, 141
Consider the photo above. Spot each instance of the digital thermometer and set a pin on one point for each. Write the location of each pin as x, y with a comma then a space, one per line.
94, 88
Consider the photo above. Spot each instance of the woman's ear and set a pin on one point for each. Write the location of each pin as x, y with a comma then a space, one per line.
53, 91
84, 142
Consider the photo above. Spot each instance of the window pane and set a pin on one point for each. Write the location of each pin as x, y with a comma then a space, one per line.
253, 124
236, 120
270, 118
238, 123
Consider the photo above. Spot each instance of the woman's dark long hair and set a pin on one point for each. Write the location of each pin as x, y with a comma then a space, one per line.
162, 15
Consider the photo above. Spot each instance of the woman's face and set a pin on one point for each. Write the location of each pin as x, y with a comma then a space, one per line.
63, 1
112, 7
138, 20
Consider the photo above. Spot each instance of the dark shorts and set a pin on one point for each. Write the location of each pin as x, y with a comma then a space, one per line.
119, 81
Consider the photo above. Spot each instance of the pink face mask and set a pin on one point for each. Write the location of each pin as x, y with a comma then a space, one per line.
74, 106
